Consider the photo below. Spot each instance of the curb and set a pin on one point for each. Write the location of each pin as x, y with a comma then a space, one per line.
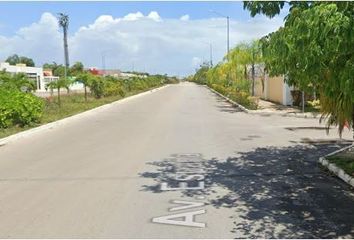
63, 121
229, 100
259, 112
335, 169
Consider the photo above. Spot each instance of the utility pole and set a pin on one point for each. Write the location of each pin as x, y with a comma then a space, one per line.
227, 39
227, 31
104, 63
211, 55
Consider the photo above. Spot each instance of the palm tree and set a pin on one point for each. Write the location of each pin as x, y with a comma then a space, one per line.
63, 21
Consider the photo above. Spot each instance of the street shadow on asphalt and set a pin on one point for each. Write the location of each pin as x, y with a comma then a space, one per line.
272, 192
224, 106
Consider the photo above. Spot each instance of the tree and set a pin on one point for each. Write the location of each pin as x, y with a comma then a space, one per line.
315, 50
85, 78
18, 81
15, 59
247, 54
57, 69
60, 83
63, 21
200, 75
76, 69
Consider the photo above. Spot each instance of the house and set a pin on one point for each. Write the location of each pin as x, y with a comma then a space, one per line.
273, 89
48, 77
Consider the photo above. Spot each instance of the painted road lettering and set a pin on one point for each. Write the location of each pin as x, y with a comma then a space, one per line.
187, 219
189, 175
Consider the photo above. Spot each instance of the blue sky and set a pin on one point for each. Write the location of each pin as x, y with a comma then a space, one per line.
146, 33
14, 15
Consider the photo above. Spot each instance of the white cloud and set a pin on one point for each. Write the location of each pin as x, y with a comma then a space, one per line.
154, 16
149, 43
133, 16
184, 17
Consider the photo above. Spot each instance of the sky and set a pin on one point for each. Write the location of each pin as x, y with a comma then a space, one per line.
156, 37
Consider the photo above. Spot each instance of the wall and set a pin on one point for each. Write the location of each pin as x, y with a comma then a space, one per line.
275, 89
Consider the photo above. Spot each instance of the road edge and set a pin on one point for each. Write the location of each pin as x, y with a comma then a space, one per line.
333, 168
228, 99
63, 121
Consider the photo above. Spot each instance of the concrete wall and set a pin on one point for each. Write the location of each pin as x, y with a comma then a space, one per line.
275, 89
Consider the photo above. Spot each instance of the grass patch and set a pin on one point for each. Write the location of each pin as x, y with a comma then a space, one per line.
70, 105
344, 160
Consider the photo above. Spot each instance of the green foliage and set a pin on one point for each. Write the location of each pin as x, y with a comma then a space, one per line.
97, 87
57, 69
241, 97
200, 76
61, 83
230, 77
18, 81
315, 50
76, 69
15, 59
272, 8
18, 108
113, 87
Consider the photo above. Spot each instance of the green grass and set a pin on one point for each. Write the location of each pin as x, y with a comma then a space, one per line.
344, 160
70, 105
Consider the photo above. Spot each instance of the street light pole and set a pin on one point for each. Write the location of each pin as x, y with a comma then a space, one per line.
228, 36
211, 55
227, 31
227, 41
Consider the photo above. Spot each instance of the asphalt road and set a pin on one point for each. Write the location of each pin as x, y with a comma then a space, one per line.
176, 163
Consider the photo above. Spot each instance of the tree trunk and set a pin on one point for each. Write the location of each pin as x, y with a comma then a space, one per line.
59, 101
66, 50
253, 78
85, 93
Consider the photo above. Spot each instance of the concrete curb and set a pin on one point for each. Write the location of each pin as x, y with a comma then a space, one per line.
63, 121
265, 113
229, 100
335, 169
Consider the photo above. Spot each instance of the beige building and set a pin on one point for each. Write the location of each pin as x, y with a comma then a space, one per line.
273, 89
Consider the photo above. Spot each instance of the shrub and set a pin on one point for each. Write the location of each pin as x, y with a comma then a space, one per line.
113, 87
241, 97
97, 87
18, 108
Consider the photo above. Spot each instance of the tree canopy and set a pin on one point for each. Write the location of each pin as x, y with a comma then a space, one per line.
15, 59
315, 50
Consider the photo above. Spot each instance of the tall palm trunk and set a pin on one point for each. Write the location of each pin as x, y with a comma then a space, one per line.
66, 49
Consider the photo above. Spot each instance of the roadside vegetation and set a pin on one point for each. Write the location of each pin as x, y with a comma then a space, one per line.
314, 50
344, 160
20, 109
230, 77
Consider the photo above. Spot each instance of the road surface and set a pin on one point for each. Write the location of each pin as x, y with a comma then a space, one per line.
176, 163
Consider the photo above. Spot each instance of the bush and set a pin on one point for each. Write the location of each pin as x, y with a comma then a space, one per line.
97, 87
18, 108
241, 97
113, 89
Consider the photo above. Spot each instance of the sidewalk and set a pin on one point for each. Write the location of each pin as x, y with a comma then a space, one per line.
273, 107
270, 108
266, 107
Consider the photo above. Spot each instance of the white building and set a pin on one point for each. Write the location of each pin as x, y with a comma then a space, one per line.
34, 73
